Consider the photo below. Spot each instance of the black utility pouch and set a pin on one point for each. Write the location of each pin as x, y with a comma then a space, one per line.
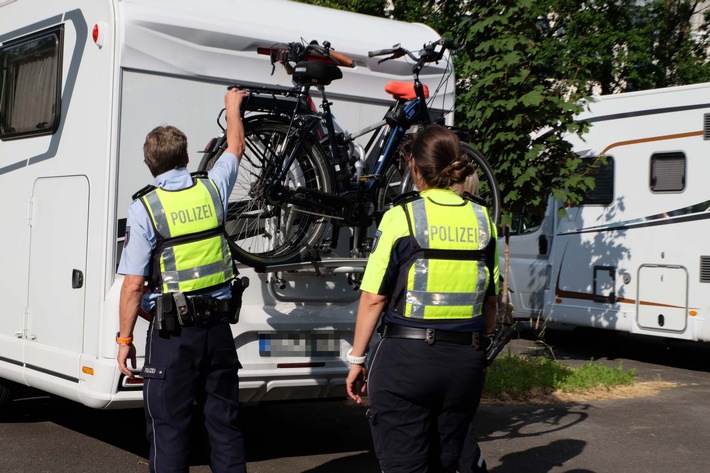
202, 310
238, 287
166, 314
182, 309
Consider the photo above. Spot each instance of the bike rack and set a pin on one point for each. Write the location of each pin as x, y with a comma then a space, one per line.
325, 267
321, 267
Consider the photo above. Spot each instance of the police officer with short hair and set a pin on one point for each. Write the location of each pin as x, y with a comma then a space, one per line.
175, 237
433, 271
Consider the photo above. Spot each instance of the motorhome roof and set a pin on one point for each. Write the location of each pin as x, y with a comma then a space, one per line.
283, 19
678, 98
185, 37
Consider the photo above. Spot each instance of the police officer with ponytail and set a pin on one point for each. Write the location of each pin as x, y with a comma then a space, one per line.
175, 240
433, 276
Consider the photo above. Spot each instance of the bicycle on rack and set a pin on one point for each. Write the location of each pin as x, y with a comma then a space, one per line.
302, 179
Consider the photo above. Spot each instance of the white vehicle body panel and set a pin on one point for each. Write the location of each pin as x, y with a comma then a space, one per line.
639, 263
65, 195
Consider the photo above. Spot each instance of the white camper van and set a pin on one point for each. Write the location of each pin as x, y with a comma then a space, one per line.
81, 84
634, 257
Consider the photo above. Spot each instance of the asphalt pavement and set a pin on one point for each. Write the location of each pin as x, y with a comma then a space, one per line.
664, 431
668, 430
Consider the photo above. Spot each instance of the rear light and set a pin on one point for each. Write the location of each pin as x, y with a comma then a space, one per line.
136, 381
133, 383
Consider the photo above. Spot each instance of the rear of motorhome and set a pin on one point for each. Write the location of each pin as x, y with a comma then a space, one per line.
82, 82
634, 256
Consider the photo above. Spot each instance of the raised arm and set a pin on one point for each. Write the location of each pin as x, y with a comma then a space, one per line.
235, 129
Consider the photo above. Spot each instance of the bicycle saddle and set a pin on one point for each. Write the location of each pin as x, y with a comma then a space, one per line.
316, 73
404, 90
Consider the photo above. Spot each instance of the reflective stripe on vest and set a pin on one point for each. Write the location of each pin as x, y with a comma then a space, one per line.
192, 252
447, 288
190, 210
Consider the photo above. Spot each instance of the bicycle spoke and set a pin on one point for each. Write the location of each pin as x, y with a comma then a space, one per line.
266, 229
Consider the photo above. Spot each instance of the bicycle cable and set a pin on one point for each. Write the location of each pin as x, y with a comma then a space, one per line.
448, 72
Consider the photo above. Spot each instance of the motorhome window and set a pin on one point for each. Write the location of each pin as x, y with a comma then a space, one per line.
667, 172
30, 84
603, 173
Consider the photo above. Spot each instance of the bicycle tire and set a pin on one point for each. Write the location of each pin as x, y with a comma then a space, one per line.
265, 233
488, 189
398, 180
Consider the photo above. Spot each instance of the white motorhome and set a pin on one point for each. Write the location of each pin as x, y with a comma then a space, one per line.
82, 83
634, 256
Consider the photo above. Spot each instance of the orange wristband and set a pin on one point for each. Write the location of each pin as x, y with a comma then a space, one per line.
123, 340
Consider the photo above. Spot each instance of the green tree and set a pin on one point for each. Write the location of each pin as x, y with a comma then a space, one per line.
441, 15
680, 53
517, 114
526, 64
624, 45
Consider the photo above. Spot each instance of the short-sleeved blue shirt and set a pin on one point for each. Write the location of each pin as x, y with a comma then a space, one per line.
140, 235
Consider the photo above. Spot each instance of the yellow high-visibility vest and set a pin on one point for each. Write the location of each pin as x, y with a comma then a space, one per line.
446, 277
192, 252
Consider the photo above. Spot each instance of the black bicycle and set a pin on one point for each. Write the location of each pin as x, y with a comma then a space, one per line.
302, 179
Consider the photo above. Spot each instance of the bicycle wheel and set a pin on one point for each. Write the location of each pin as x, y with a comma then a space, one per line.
398, 180
487, 188
268, 232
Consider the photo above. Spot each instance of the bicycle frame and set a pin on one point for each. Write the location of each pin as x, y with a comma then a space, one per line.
400, 117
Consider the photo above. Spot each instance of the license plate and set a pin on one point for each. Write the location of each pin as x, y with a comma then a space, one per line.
299, 344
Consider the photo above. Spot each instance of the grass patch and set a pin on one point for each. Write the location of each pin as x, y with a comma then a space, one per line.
514, 377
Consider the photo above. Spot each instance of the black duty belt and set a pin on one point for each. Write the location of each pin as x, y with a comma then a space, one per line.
431, 335
209, 304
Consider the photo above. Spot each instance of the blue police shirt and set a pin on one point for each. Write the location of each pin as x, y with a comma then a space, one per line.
140, 236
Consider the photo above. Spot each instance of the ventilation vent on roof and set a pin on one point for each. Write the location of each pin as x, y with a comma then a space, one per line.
704, 268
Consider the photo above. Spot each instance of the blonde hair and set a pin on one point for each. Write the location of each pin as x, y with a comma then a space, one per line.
470, 185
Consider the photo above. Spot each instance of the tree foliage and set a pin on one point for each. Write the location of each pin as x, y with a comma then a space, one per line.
515, 114
625, 45
526, 64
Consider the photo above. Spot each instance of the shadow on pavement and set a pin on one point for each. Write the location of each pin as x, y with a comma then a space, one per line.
584, 343
542, 459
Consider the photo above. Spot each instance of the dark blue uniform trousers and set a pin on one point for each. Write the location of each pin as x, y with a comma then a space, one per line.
422, 402
195, 364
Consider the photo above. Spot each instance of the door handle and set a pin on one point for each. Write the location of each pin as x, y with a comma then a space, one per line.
77, 279
542, 245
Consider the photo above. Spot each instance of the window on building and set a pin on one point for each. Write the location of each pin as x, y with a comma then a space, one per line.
30, 84
668, 172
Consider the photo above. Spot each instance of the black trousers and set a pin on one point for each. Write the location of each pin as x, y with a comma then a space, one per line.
422, 402
194, 368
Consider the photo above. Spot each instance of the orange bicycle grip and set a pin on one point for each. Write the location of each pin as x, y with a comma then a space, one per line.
342, 59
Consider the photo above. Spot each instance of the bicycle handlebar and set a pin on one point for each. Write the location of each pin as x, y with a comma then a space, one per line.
342, 59
429, 53
288, 54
